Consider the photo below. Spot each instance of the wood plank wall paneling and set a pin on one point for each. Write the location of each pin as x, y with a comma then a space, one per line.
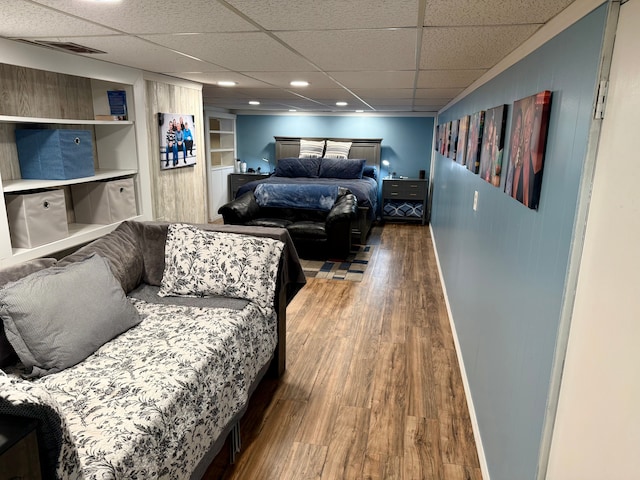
28, 92
373, 389
178, 194
37, 93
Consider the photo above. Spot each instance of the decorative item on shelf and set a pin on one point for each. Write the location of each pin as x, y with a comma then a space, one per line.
237, 165
243, 167
177, 145
118, 103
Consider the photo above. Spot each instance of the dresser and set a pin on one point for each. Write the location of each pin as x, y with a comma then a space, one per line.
19, 448
236, 180
404, 199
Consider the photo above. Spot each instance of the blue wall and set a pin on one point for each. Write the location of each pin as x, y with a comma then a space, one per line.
406, 141
504, 265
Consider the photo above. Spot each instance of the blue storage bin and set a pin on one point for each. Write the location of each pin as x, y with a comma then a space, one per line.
55, 154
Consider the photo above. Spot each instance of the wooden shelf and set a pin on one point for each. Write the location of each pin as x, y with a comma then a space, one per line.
79, 233
61, 121
21, 185
222, 132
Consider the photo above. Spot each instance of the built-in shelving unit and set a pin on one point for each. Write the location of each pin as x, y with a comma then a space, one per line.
221, 151
75, 95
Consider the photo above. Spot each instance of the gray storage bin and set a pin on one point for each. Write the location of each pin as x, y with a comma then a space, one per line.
36, 218
104, 202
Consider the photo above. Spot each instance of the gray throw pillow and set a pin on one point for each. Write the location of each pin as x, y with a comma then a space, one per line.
8, 275
57, 317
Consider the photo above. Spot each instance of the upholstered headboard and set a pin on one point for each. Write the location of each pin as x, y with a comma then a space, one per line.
367, 148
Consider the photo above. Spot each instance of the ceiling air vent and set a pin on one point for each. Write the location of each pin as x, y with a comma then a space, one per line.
66, 46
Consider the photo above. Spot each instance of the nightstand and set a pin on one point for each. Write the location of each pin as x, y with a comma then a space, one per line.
19, 456
236, 180
404, 199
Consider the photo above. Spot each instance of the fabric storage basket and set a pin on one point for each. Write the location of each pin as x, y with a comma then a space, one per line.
104, 202
36, 218
55, 154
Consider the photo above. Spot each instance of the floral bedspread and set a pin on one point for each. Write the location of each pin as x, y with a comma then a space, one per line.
149, 403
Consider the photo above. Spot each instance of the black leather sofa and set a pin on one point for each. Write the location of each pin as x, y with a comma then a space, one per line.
316, 234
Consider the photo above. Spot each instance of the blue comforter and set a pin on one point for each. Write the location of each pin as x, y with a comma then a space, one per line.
365, 189
309, 196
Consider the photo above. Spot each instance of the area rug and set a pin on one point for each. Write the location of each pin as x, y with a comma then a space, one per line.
352, 268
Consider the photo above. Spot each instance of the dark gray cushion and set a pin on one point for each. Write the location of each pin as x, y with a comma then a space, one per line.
341, 168
11, 274
298, 167
57, 317
122, 249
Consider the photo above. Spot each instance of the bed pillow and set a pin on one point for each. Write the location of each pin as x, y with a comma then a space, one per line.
311, 148
201, 263
57, 317
341, 168
8, 275
337, 149
370, 171
298, 167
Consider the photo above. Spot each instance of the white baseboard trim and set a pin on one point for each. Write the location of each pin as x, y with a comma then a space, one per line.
465, 382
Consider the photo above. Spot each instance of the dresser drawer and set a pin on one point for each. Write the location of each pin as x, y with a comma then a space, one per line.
404, 189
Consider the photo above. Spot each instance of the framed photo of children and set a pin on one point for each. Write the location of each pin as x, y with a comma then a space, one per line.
527, 143
176, 132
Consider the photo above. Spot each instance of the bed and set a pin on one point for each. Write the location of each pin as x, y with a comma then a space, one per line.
365, 188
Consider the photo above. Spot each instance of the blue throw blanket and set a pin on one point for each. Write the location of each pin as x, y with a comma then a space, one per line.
308, 196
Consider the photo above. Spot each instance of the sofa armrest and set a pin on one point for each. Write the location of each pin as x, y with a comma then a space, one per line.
241, 210
344, 210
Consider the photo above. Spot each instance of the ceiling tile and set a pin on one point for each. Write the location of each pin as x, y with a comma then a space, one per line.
214, 77
358, 49
491, 12
437, 92
253, 51
402, 79
371, 93
448, 78
137, 53
470, 47
282, 79
329, 14
22, 19
147, 16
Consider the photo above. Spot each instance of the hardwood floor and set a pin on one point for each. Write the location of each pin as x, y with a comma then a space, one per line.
372, 388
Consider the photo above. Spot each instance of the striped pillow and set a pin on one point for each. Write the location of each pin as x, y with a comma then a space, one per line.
311, 148
337, 149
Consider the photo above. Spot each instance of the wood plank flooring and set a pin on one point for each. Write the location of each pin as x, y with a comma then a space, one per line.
372, 388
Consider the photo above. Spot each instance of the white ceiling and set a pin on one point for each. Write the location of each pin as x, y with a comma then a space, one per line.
376, 55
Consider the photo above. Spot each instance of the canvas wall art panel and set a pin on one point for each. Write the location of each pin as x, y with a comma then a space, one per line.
493, 144
474, 142
527, 142
463, 131
176, 133
453, 144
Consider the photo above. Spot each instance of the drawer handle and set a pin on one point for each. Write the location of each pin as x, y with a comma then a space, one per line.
413, 186
394, 193
76, 140
413, 194
121, 189
46, 204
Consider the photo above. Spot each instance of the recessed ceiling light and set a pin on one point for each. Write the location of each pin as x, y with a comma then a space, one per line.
359, 111
254, 102
227, 83
299, 83
342, 104
292, 110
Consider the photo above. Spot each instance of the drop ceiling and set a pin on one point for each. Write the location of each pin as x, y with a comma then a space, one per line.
376, 55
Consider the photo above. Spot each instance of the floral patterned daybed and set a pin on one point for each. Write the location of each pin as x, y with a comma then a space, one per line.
202, 322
